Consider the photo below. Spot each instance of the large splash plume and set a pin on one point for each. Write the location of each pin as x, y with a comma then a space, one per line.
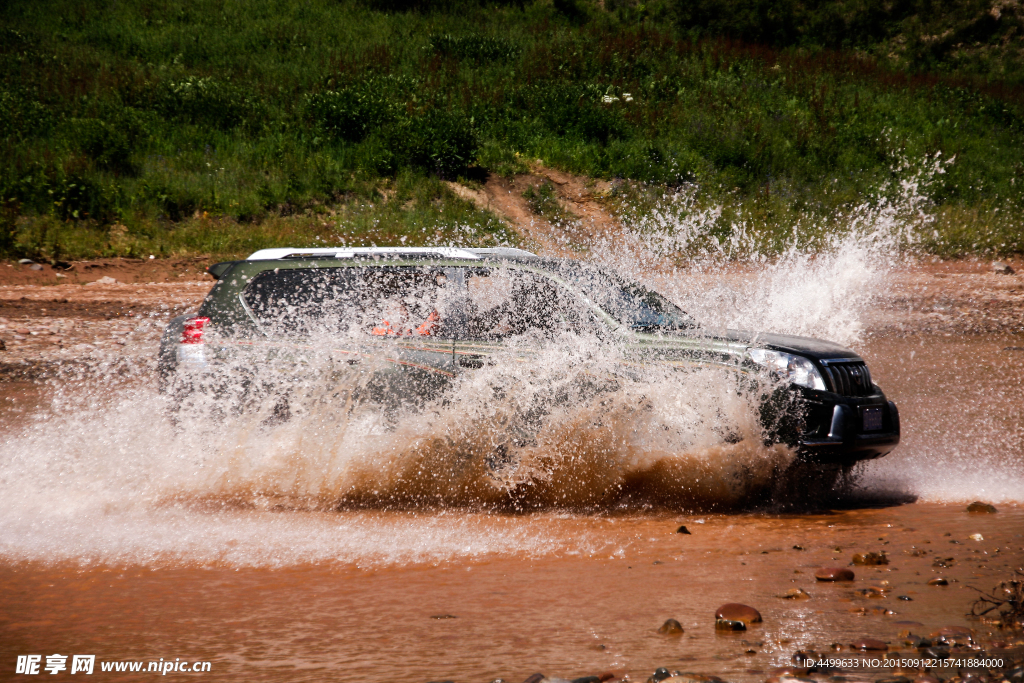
114, 470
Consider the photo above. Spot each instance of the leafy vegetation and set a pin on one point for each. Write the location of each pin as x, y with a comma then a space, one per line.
167, 127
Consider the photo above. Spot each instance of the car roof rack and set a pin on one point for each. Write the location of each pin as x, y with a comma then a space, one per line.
392, 252
506, 252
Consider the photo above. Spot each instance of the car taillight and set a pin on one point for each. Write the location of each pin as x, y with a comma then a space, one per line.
192, 332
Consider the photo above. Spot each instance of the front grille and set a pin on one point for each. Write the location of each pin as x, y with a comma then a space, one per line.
848, 378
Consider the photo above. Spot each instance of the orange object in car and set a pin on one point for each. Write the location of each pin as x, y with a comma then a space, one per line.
384, 329
428, 326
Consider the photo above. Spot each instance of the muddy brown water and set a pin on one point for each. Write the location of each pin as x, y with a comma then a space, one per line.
508, 617
573, 594
268, 593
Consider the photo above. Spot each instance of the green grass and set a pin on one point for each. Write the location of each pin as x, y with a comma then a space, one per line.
221, 127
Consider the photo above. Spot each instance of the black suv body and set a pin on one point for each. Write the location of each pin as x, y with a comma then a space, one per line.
422, 317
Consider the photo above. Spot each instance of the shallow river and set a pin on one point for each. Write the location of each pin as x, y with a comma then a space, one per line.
420, 596
130, 537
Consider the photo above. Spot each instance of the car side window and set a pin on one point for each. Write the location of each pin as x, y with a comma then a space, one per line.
292, 299
505, 302
406, 302
375, 301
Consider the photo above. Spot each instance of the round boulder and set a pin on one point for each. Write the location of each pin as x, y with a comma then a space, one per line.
834, 574
980, 507
733, 611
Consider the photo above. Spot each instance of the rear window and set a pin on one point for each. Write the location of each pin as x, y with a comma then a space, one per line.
378, 301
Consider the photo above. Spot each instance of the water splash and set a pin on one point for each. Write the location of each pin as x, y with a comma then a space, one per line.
113, 472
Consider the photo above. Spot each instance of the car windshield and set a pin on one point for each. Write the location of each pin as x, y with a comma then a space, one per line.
630, 303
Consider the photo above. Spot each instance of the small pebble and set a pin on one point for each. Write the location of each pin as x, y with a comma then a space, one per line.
795, 594
729, 625
683, 530
870, 559
936, 652
938, 581
1002, 267
905, 597
789, 671
978, 506
868, 644
671, 627
953, 631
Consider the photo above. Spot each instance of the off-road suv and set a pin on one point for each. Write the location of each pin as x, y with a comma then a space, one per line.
421, 317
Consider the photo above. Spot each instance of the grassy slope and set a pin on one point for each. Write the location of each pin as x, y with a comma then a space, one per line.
164, 126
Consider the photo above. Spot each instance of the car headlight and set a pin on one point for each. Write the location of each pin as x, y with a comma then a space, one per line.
794, 369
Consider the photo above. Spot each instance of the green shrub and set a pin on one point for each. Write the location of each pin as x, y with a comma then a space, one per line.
254, 112
205, 101
350, 114
65, 189
437, 141
543, 201
922, 34
9, 211
106, 145
573, 10
22, 116
571, 110
79, 196
480, 49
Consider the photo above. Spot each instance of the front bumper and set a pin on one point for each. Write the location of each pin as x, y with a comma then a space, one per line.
839, 435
